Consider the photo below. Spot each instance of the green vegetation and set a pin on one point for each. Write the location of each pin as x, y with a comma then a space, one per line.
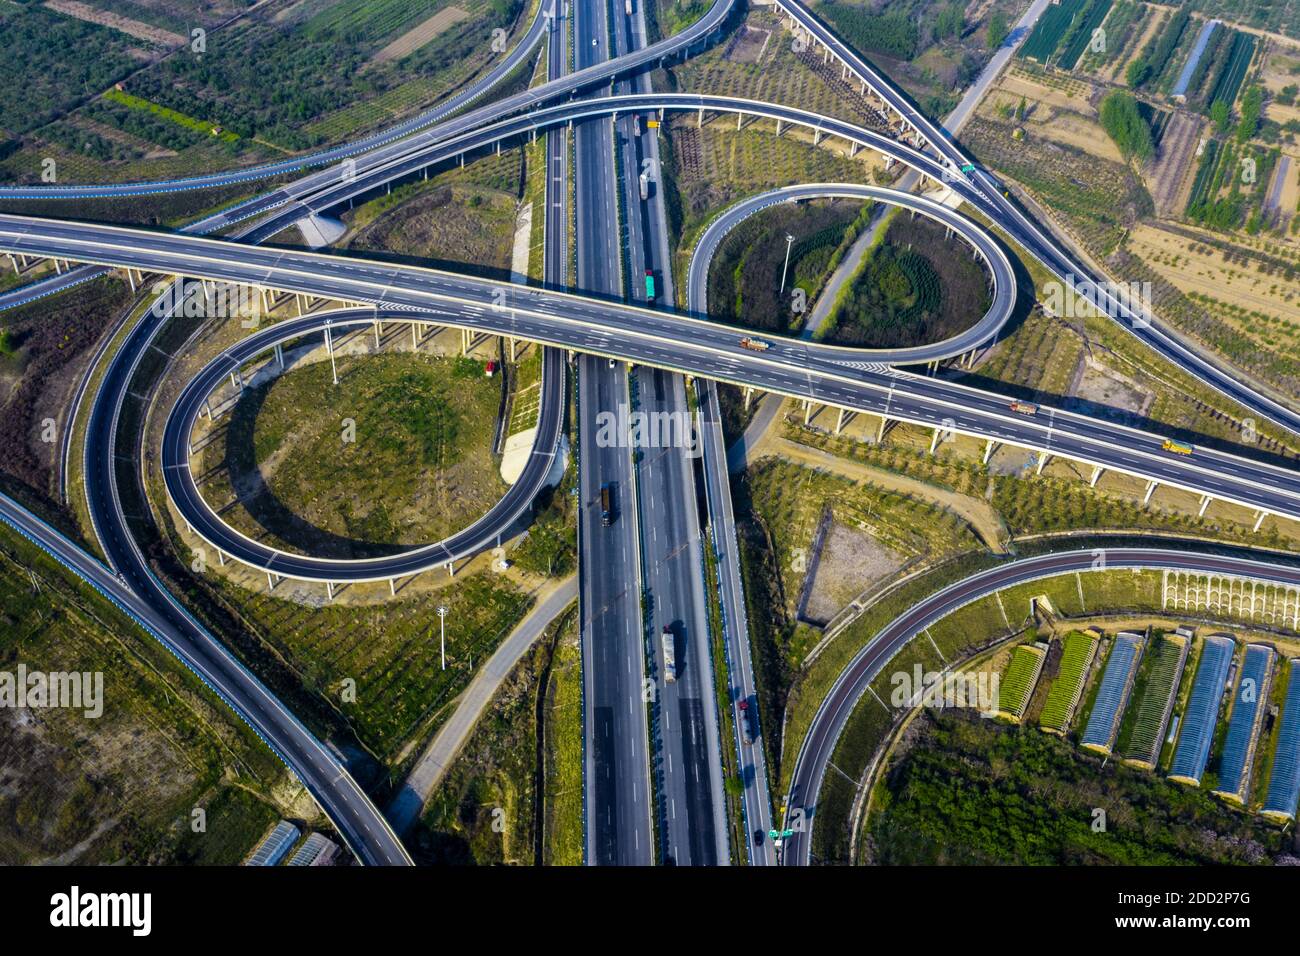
745, 274
1152, 61
49, 63
1123, 122
563, 755
493, 804
1140, 732
172, 116
1049, 30
401, 454
1019, 679
121, 787
997, 31
919, 285
1063, 696
974, 792
892, 32
1078, 37
1230, 78
1252, 105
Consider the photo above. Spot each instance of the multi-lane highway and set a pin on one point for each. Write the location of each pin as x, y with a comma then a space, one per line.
832, 716
692, 810
619, 802
814, 371
656, 340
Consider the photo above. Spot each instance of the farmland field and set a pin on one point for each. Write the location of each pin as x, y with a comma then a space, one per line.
1078, 650
1230, 78
1081, 33
1019, 680
1051, 26
1141, 738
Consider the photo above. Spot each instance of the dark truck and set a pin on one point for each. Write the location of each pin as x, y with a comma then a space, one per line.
607, 504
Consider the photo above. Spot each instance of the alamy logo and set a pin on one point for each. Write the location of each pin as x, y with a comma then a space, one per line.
76, 690
628, 429
198, 300
74, 908
1081, 298
946, 689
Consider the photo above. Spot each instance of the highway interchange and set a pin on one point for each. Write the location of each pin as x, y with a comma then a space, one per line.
664, 346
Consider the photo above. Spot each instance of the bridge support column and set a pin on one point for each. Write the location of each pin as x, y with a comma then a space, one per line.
329, 590
749, 396
853, 149
989, 447
1259, 519
297, 298
1205, 503
464, 341
699, 122
207, 410
840, 415
807, 410
266, 302
221, 558
329, 347
415, 337
512, 348
1151, 488
778, 128
462, 160
279, 355
130, 278
880, 432
451, 569
271, 581
392, 587
379, 331
740, 118
817, 136
1043, 459
58, 270
1097, 472
936, 438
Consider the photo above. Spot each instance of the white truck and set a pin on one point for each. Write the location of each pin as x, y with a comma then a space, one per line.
645, 186
670, 659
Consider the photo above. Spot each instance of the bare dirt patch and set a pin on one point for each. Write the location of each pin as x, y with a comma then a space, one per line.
747, 45
1167, 176
1100, 390
115, 21
418, 36
850, 562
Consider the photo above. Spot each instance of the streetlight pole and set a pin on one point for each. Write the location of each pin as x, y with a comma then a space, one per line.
789, 241
442, 631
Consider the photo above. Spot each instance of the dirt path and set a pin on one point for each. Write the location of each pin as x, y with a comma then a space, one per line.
979, 514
